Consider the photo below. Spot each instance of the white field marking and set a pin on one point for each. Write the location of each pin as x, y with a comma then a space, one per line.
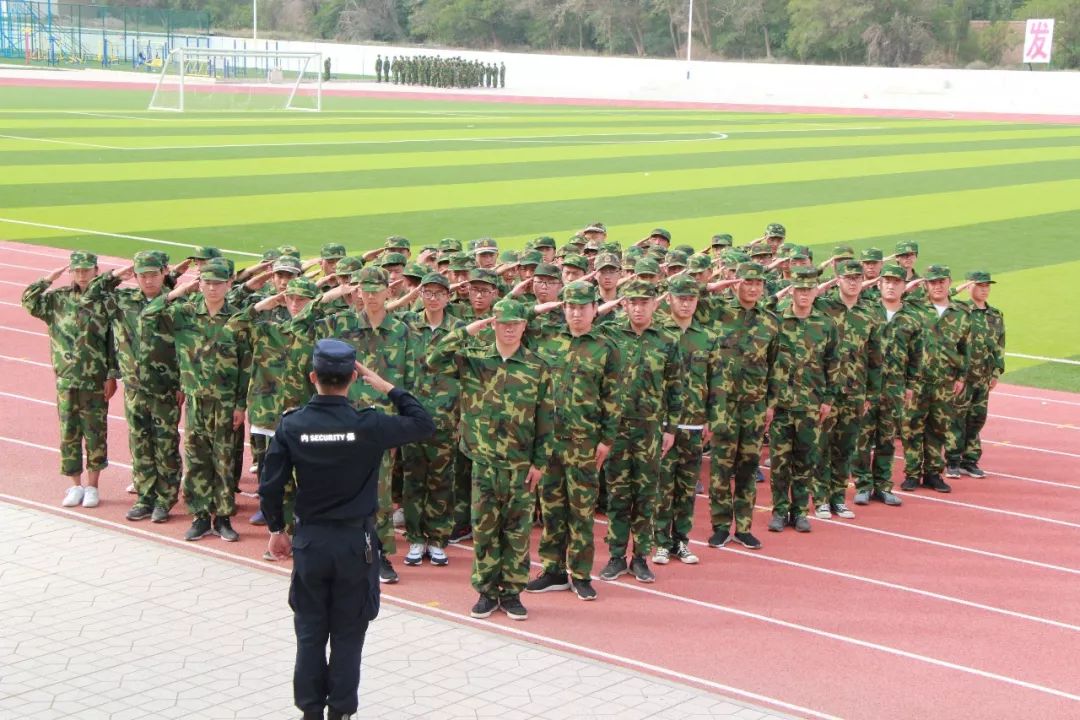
24, 267
1031, 448
992, 473
1064, 361
1062, 426
886, 584
838, 637
60, 142
986, 508
343, 115
35, 363
24, 332
459, 617
13, 246
1037, 398
37, 446
36, 401
8, 282
122, 236
116, 116
10, 304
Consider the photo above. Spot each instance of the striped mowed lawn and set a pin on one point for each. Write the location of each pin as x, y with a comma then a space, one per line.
84, 167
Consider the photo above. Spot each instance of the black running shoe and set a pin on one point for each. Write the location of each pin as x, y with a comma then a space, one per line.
972, 470
139, 512
459, 534
721, 536
615, 568
952, 471
909, 484
511, 605
747, 540
583, 589
484, 607
547, 582
934, 482
387, 573
200, 528
224, 529
640, 570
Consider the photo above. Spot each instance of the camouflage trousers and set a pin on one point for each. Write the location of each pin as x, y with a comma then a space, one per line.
877, 442
736, 448
633, 468
237, 457
567, 493
259, 443
839, 436
154, 439
964, 445
927, 428
501, 522
83, 419
427, 489
677, 488
462, 489
209, 457
384, 516
795, 449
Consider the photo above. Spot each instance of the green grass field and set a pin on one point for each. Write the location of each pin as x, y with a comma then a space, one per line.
997, 196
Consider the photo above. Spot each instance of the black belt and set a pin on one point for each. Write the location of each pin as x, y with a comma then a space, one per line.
368, 521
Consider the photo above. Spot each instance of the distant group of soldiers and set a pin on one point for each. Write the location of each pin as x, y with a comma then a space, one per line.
437, 71
563, 381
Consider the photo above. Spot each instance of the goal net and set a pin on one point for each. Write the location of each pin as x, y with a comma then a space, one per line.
212, 79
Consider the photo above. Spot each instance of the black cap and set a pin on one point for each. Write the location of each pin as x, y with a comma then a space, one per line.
333, 357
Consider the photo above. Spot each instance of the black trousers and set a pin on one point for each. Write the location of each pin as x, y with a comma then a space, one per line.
334, 594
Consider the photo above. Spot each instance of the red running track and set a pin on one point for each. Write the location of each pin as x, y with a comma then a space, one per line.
952, 606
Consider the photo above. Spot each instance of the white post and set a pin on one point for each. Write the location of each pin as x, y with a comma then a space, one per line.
689, 37
254, 19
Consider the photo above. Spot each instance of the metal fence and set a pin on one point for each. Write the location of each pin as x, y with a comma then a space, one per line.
55, 33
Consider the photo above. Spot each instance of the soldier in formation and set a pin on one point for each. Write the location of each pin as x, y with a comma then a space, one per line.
445, 72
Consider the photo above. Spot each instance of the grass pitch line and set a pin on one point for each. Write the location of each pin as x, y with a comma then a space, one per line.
59, 142
1064, 361
139, 238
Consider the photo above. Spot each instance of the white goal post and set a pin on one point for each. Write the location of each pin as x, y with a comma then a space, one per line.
283, 80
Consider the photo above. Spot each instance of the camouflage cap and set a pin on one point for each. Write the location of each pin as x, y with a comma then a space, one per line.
483, 275
849, 267
596, 227
147, 261
302, 286
722, 240
907, 247
161, 255
392, 258
486, 245
938, 272
449, 245
686, 250
684, 286
893, 270
435, 279
611, 247
607, 260
646, 266
843, 252
676, 259
215, 269
414, 270
979, 277
576, 261
396, 242
579, 292
461, 262
872, 255
548, 270
204, 253
775, 230
271, 254
530, 258
577, 240
760, 249
332, 251
508, 257
660, 232
290, 250
734, 257
429, 248
805, 278
750, 271
372, 278
657, 252
509, 310
801, 252
544, 241
592, 247
699, 263
287, 263
639, 289
348, 265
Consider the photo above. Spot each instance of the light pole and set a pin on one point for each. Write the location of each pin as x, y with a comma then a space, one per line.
689, 37
255, 19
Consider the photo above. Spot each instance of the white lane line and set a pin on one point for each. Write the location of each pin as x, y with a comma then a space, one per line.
992, 473
24, 332
60, 142
1031, 448
123, 236
1063, 361
836, 636
986, 508
10, 304
1060, 426
56, 451
16, 284
27, 361
25, 267
1035, 397
36, 401
458, 617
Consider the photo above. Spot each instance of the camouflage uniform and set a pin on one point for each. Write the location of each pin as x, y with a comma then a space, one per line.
82, 356
588, 399
507, 422
151, 383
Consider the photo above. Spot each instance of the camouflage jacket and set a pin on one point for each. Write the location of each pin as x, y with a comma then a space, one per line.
507, 411
79, 334
946, 342
214, 358
901, 349
748, 341
702, 371
436, 391
280, 363
147, 360
651, 366
858, 346
987, 343
806, 370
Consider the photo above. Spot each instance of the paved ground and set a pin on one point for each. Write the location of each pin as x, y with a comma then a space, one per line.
100, 624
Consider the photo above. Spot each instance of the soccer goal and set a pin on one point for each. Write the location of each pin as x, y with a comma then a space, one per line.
213, 79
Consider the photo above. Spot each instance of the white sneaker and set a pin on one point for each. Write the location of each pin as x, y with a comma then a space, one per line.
823, 512
415, 556
73, 496
399, 517
844, 511
660, 557
683, 553
437, 555
130, 489
91, 498
254, 469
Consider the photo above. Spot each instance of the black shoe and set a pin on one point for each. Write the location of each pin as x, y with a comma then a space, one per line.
511, 605
138, 512
802, 524
721, 536
159, 515
886, 497
747, 540
934, 482
952, 471
972, 470
909, 484
777, 523
615, 568
640, 570
318, 715
459, 534
200, 528
548, 581
332, 714
484, 607
223, 528
387, 574
583, 589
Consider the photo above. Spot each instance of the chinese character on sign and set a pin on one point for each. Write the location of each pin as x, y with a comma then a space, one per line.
1038, 39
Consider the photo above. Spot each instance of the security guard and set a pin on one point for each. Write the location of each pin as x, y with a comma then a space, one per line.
335, 452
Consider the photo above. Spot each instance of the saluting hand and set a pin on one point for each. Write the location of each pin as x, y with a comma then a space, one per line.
125, 273
520, 289
270, 303
181, 267
373, 379
476, 326
55, 274
181, 290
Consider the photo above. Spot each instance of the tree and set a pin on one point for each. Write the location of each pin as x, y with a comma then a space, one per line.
827, 30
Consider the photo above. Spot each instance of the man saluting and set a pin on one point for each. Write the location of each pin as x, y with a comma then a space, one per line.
335, 452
